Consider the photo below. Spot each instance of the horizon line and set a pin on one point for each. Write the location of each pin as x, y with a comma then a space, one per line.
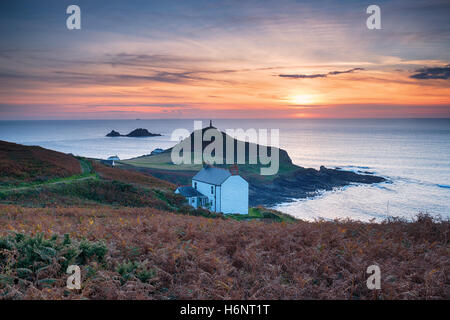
207, 119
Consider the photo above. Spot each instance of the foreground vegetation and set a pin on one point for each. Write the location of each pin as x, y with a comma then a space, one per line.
143, 253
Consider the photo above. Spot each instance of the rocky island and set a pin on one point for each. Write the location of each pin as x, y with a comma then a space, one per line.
137, 133
113, 134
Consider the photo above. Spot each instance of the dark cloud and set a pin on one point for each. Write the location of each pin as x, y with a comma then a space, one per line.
162, 76
432, 73
318, 75
82, 78
143, 105
303, 76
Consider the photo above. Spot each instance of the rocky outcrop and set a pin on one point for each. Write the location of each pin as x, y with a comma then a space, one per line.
142, 133
137, 133
113, 134
303, 183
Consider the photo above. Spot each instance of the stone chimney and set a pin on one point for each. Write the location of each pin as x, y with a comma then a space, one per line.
234, 170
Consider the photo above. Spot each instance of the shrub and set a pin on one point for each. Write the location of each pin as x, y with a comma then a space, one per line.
91, 250
30, 257
139, 270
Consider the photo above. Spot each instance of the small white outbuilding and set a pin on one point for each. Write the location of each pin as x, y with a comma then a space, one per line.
218, 190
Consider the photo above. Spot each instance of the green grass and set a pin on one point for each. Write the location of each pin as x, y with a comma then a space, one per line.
31, 185
262, 214
164, 162
87, 173
160, 161
86, 166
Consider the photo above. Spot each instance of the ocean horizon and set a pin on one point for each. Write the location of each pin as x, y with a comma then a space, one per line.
412, 154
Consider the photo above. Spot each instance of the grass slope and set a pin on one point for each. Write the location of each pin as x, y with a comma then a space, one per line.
23, 164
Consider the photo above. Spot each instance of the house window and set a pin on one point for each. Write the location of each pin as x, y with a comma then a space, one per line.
195, 185
212, 190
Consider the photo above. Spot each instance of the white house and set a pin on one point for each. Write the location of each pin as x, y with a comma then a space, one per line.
218, 190
193, 197
108, 162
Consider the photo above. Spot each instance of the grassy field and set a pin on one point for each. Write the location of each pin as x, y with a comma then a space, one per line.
262, 214
160, 161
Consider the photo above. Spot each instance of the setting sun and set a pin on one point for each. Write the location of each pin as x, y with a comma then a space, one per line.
302, 99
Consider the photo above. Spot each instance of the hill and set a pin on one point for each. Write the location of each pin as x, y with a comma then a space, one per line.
21, 164
34, 176
163, 160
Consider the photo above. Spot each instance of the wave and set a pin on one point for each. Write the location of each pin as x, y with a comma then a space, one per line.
444, 186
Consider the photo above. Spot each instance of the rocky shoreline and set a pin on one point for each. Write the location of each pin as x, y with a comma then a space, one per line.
303, 183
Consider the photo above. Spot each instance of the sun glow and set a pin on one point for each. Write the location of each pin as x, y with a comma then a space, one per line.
302, 99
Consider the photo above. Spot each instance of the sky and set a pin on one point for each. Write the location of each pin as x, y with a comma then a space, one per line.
224, 59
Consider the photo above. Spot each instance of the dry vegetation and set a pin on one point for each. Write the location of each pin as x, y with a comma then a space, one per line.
134, 177
145, 253
20, 164
90, 193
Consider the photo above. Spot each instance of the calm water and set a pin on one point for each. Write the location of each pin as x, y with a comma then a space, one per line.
413, 154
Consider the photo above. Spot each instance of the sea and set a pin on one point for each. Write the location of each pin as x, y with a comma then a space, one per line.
412, 154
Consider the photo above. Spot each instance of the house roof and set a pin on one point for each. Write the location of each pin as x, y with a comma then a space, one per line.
188, 191
212, 175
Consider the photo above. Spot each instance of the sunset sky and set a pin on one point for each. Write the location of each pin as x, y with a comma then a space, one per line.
224, 59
